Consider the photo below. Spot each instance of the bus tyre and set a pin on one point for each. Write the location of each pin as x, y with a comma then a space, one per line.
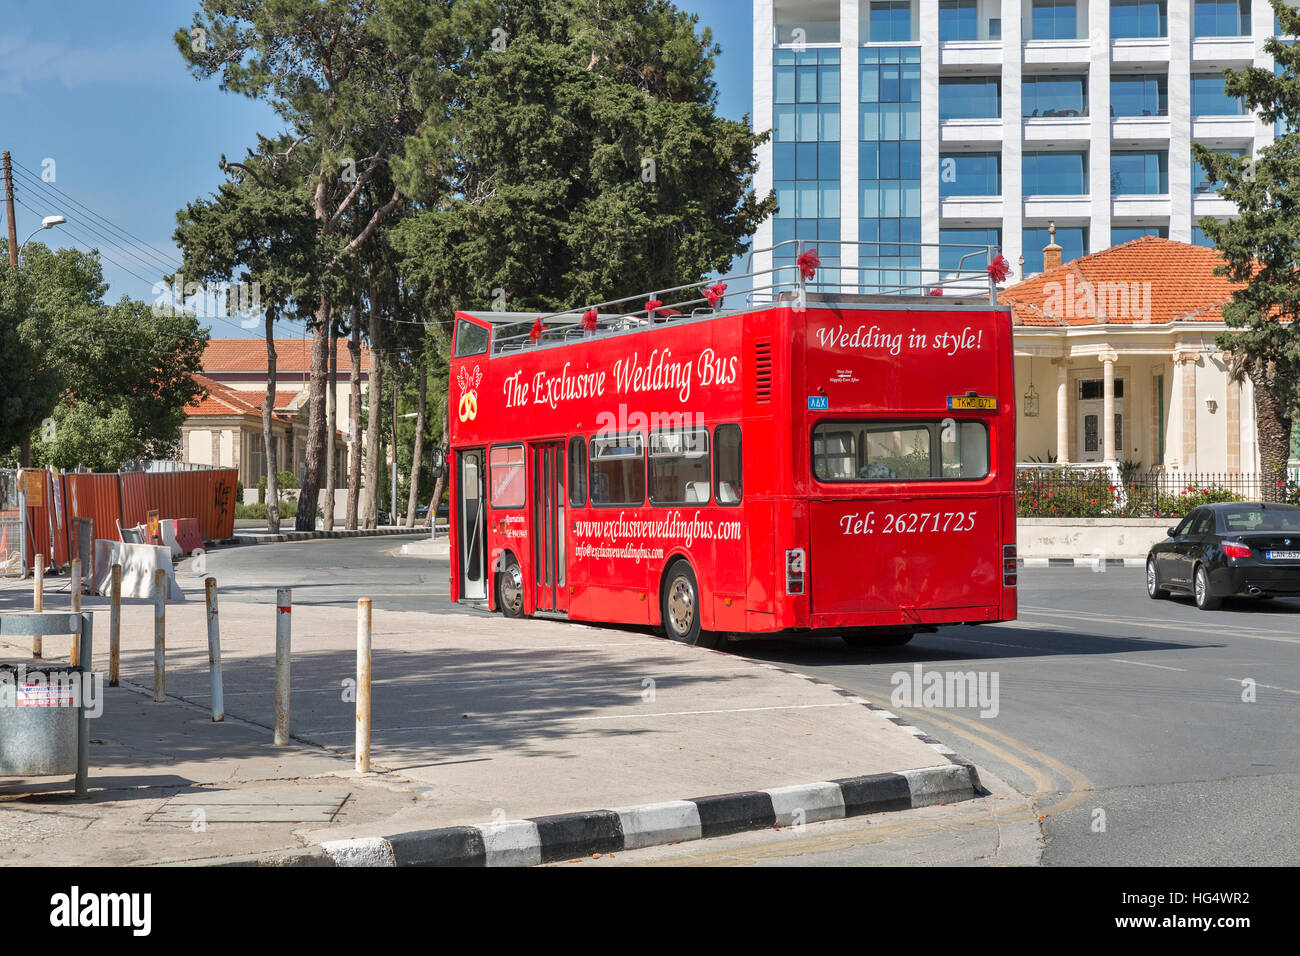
679, 607
510, 587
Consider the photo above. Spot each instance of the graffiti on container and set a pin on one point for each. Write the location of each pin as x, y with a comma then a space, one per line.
221, 498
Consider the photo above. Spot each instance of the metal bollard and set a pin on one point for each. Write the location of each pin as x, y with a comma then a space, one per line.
115, 627
38, 599
363, 685
159, 636
214, 649
283, 617
74, 582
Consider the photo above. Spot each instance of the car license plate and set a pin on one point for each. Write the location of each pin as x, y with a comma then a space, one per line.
972, 402
1282, 555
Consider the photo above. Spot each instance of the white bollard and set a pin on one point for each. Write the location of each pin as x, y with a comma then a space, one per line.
363, 686
214, 650
283, 618
159, 636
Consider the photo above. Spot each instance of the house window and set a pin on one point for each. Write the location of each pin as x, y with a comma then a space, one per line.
1054, 20
1054, 96
958, 20
1208, 98
1054, 174
1119, 234
1139, 172
1138, 18
1202, 184
889, 168
1159, 389
970, 97
1221, 18
970, 174
1139, 95
890, 21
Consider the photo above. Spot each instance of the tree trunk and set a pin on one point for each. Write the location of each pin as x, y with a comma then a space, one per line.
331, 426
25, 452
375, 419
440, 473
309, 496
1273, 425
417, 450
354, 422
268, 432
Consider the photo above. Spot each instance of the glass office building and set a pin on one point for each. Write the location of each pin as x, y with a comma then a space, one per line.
902, 122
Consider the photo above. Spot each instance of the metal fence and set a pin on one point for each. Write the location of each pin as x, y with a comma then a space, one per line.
11, 525
1105, 491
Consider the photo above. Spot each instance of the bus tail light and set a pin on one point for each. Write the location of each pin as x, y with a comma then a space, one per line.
794, 565
1009, 565
1235, 551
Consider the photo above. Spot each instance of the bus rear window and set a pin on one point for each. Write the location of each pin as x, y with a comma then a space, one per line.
900, 451
618, 470
471, 339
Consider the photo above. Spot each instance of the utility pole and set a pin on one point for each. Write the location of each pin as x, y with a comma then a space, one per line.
393, 508
9, 212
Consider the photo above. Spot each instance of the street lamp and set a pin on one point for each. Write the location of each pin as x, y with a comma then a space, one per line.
49, 222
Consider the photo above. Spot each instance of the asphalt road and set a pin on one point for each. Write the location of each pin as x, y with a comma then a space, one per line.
1125, 721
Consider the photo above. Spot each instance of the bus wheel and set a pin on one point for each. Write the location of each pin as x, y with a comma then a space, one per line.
882, 639
680, 607
510, 588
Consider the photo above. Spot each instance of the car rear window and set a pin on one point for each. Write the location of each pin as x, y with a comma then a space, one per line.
1255, 518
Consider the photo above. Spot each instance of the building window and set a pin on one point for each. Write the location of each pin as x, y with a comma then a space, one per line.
970, 97
804, 31
1221, 18
958, 20
1054, 174
970, 174
1208, 98
1202, 184
1199, 238
1130, 19
889, 168
956, 243
1158, 386
1139, 172
1073, 240
1121, 234
1054, 20
1054, 96
1139, 95
806, 155
889, 21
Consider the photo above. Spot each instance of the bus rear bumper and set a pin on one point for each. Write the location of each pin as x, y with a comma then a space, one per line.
919, 618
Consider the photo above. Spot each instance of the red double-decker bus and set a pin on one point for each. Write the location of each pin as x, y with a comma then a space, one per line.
821, 461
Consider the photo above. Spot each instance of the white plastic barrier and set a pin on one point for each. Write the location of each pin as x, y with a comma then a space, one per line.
139, 562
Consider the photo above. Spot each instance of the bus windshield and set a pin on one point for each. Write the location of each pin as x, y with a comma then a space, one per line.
900, 451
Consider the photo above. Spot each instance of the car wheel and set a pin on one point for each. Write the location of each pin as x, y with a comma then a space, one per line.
510, 588
679, 607
1154, 590
1201, 590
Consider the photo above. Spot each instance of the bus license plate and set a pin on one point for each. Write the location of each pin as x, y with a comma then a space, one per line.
972, 403
1282, 555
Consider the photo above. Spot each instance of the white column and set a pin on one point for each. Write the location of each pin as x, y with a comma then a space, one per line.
1013, 204
1261, 28
929, 34
1108, 405
850, 117
764, 37
1062, 408
1099, 115
1180, 122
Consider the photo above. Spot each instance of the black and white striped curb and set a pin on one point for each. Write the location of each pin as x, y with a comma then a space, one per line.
1093, 563
254, 538
568, 835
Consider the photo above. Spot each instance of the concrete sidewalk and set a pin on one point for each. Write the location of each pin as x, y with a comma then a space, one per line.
475, 719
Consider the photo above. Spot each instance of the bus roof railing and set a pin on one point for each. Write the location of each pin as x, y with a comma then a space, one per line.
785, 282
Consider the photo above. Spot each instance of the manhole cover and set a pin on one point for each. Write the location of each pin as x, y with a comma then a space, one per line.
251, 806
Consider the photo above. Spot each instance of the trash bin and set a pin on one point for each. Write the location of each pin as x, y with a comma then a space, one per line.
43, 724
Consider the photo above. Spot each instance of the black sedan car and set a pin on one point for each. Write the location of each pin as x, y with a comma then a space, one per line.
1222, 550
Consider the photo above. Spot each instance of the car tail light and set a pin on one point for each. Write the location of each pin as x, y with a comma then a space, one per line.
1236, 551
1009, 565
794, 568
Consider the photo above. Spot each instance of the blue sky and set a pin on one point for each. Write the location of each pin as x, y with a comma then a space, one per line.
95, 94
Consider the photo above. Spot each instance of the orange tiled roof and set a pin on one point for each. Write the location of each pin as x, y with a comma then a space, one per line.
1183, 287
291, 355
225, 401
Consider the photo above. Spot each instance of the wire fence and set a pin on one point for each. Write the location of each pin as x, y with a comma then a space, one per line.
1074, 492
11, 525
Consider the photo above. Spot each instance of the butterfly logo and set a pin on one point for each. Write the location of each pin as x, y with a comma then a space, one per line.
469, 383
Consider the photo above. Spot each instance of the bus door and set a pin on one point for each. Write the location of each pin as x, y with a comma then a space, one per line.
548, 526
472, 558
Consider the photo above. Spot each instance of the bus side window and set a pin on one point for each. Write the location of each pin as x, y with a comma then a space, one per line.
679, 466
727, 489
618, 470
577, 472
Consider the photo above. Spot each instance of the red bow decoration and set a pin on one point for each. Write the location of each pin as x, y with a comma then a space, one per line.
808, 263
935, 292
999, 269
651, 305
536, 331
713, 294
589, 320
